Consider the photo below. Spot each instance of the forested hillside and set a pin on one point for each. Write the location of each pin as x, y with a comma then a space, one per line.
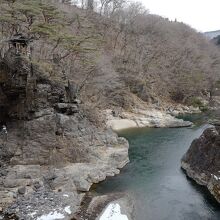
116, 52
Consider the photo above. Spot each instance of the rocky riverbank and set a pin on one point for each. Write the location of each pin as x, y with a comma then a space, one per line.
150, 117
201, 162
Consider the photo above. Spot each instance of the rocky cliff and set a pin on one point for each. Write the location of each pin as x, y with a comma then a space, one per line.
201, 162
51, 153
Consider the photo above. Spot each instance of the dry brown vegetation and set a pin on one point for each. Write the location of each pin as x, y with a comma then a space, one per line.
114, 50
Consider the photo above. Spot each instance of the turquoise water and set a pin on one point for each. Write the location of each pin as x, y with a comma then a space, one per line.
153, 177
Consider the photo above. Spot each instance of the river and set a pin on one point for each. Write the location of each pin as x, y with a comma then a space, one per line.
153, 177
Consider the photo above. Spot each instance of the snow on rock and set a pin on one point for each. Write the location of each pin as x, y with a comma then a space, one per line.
113, 212
51, 216
67, 210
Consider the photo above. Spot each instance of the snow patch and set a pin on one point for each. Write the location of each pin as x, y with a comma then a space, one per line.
67, 210
215, 177
51, 216
113, 212
65, 195
33, 214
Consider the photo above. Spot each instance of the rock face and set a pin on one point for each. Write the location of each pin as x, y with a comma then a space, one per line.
51, 153
202, 160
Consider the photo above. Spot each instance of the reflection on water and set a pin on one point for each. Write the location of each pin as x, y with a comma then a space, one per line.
160, 188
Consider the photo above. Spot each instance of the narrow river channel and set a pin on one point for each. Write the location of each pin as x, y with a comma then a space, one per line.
153, 177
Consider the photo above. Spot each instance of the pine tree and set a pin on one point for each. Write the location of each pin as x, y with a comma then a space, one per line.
30, 17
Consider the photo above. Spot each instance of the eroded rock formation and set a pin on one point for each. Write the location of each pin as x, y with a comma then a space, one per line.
202, 160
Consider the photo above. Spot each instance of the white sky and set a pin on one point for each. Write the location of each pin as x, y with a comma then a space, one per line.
202, 15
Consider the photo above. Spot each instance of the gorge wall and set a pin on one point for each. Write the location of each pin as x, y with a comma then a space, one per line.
201, 161
51, 149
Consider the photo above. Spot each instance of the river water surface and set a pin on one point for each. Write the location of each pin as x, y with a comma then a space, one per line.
153, 177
